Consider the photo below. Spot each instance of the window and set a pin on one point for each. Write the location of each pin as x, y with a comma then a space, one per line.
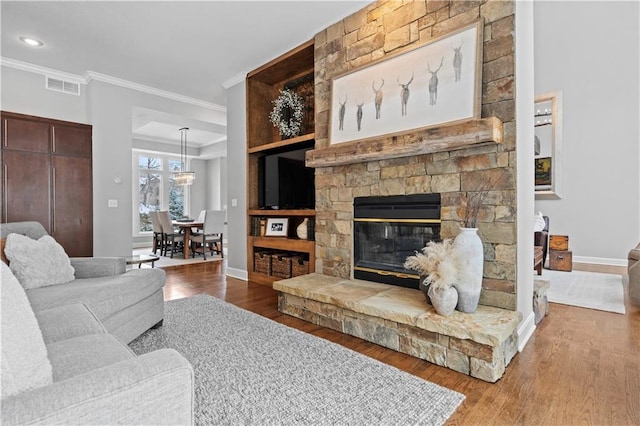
156, 189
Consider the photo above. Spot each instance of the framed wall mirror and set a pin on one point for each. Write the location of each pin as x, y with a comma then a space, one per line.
548, 146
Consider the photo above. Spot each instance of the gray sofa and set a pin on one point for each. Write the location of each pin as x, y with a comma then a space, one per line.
127, 303
85, 325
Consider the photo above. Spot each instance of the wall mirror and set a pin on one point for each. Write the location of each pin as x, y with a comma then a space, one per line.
548, 146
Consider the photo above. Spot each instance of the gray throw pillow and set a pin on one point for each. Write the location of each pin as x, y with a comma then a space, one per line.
38, 263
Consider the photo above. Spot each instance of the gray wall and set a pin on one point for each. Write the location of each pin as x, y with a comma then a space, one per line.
237, 181
217, 190
589, 51
24, 92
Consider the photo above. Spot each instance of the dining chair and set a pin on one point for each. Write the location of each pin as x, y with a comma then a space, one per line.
196, 231
211, 235
171, 238
158, 237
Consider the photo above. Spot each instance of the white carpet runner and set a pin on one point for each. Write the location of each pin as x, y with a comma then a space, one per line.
592, 290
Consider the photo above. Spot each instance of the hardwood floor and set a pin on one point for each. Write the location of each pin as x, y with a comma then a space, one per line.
581, 366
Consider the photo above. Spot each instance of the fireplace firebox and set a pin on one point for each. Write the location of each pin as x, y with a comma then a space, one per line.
388, 229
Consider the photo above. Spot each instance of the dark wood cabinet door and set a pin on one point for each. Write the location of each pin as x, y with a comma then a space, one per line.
25, 134
25, 187
72, 140
72, 197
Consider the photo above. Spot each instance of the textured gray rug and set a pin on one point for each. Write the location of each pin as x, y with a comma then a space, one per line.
252, 370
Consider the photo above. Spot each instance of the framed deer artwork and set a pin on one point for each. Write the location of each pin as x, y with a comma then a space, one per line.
436, 82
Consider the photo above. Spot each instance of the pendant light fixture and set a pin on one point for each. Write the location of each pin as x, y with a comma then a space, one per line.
183, 177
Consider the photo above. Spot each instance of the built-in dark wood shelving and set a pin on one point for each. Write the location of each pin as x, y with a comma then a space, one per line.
263, 85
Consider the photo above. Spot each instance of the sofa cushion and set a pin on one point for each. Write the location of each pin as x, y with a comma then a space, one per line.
24, 362
104, 296
81, 354
66, 322
38, 263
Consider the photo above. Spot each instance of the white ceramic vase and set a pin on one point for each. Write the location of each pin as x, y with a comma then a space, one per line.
470, 253
444, 300
302, 231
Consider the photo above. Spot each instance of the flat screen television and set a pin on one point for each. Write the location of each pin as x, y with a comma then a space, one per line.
284, 182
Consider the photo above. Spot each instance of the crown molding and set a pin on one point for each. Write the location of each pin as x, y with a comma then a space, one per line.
92, 75
238, 78
37, 69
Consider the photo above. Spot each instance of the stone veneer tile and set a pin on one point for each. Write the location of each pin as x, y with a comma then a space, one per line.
398, 304
488, 325
323, 288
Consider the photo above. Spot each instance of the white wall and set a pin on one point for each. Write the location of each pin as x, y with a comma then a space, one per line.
524, 159
590, 51
25, 93
214, 194
237, 181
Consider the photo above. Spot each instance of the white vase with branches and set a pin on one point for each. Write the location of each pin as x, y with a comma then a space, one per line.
469, 249
470, 255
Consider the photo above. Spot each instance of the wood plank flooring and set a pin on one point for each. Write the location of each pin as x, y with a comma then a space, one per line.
581, 366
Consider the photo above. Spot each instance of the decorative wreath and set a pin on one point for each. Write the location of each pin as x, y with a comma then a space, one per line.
287, 113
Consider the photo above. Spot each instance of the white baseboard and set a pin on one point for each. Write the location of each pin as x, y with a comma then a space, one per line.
525, 331
600, 260
240, 274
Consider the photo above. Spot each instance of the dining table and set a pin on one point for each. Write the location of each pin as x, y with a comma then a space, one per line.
185, 228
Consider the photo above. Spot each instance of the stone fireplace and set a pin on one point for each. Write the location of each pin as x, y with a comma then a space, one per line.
449, 160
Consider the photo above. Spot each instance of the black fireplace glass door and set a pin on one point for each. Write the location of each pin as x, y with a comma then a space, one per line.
385, 245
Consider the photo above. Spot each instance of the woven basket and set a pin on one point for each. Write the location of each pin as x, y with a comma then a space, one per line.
299, 266
262, 262
281, 265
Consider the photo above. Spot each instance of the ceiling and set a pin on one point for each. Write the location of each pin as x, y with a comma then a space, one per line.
190, 48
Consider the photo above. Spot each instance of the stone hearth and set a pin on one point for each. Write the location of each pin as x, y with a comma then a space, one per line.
480, 344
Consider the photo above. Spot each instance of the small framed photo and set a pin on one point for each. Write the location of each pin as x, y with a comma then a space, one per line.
277, 227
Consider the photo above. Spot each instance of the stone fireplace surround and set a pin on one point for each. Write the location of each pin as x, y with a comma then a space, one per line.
449, 159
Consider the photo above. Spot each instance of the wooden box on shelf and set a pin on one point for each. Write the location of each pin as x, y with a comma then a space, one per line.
559, 242
560, 260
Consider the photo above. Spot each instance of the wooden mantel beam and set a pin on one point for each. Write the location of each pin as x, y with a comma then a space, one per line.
447, 137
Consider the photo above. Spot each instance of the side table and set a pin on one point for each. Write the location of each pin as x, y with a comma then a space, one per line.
139, 259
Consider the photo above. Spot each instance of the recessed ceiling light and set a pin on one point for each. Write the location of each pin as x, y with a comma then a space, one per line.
31, 41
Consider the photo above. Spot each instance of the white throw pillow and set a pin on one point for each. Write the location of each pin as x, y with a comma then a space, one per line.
539, 222
25, 364
38, 263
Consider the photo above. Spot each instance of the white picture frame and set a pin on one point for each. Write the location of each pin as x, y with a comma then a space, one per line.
277, 227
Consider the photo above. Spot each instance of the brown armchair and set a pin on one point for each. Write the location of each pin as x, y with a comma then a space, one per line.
541, 239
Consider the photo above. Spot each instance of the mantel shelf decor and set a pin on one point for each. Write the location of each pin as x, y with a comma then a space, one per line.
446, 137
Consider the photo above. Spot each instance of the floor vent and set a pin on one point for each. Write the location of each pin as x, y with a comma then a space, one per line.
63, 86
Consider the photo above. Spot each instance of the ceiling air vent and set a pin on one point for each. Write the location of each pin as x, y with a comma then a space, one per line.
63, 86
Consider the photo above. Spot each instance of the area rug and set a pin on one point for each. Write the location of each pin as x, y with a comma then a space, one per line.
250, 370
177, 260
592, 290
